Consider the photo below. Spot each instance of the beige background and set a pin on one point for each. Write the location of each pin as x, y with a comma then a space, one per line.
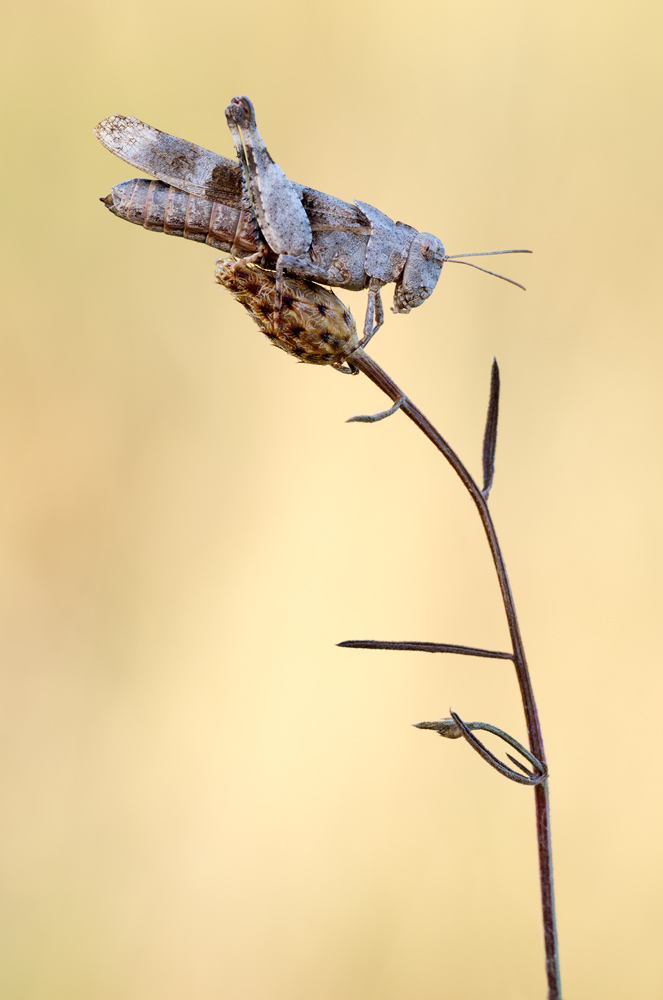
202, 797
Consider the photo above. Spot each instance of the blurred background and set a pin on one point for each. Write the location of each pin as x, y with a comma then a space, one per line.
202, 796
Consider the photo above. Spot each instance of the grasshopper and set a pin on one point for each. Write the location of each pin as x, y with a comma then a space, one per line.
248, 207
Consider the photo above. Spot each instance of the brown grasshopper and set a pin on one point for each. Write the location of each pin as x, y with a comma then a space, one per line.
249, 208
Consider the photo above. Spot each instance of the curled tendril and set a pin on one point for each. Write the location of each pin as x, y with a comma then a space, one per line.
454, 728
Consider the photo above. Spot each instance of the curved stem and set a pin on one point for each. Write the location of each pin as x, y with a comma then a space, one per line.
454, 728
359, 359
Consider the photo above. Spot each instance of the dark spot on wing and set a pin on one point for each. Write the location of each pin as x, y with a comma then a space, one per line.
225, 179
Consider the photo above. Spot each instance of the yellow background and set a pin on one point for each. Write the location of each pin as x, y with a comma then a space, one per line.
202, 797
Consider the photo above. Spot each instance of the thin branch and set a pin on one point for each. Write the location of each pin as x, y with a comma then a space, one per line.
372, 370
364, 363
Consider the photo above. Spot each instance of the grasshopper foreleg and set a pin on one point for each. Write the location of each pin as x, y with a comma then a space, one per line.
374, 310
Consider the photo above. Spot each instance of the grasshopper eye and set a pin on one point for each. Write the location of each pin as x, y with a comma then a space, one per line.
429, 246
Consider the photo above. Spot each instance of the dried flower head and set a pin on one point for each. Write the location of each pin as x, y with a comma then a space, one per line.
313, 324
445, 727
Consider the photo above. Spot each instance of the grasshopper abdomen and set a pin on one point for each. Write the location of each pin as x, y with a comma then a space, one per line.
162, 208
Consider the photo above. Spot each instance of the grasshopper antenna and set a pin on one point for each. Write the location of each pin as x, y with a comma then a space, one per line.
454, 258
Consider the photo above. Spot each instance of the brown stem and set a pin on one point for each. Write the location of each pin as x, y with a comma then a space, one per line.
372, 370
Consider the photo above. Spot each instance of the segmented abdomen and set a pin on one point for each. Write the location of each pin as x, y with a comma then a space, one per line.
166, 209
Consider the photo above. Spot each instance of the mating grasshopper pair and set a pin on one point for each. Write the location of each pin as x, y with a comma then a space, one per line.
250, 208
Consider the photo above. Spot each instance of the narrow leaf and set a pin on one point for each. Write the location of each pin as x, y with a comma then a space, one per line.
490, 758
425, 647
490, 434
520, 764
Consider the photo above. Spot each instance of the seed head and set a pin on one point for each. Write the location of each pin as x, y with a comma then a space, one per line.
313, 324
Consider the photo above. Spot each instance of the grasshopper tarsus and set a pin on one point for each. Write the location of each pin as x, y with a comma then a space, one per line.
241, 110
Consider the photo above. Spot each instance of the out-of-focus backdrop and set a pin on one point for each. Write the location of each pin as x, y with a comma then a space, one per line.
202, 796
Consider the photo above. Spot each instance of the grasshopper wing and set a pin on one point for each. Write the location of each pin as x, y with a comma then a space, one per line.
174, 161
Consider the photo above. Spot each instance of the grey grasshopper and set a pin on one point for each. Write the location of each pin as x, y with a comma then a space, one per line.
249, 208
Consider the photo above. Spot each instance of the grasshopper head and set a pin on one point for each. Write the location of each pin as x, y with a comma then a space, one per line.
420, 274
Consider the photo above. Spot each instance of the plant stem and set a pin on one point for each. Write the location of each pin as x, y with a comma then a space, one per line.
372, 370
